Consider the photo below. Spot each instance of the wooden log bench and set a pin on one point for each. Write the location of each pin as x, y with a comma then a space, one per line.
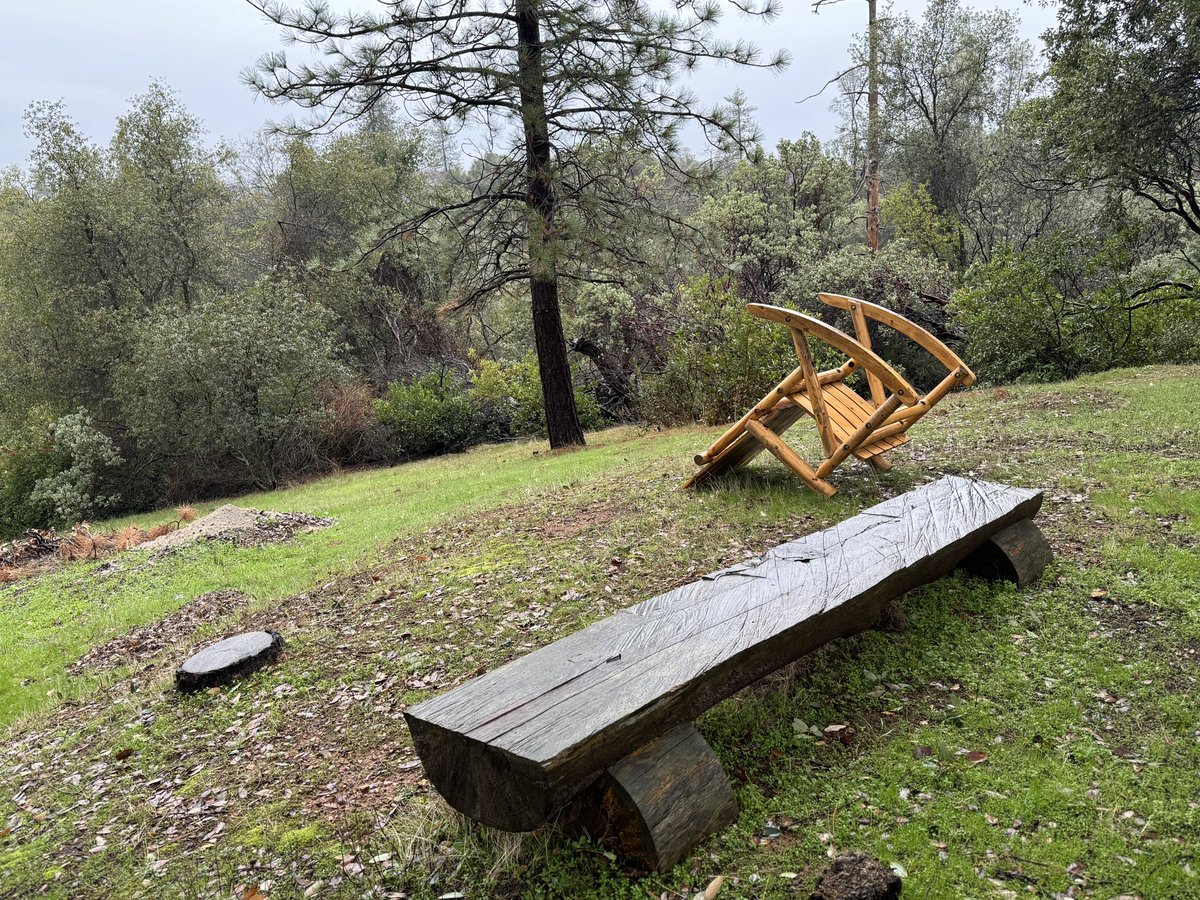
599, 722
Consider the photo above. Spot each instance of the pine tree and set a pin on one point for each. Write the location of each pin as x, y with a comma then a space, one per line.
558, 86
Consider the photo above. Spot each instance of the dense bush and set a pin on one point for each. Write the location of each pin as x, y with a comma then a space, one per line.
721, 360
85, 462
349, 433
56, 472
1066, 305
431, 414
226, 394
509, 396
26, 458
897, 277
440, 412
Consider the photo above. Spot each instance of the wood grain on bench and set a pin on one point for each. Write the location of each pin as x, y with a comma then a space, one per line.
510, 747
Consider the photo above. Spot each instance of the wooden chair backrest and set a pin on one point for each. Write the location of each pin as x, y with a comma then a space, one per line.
839, 340
860, 310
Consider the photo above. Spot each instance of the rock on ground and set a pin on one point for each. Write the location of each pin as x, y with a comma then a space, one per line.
857, 876
149, 640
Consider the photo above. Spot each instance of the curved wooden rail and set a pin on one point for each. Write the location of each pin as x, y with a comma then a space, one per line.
847, 423
910, 330
839, 340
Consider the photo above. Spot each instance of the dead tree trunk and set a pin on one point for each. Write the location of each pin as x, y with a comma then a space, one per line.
558, 395
872, 130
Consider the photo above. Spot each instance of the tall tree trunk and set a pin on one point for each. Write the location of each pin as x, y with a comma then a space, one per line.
558, 395
872, 130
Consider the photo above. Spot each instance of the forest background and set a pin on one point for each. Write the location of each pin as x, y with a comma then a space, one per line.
183, 319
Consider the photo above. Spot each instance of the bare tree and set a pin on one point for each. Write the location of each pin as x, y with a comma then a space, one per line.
556, 85
871, 65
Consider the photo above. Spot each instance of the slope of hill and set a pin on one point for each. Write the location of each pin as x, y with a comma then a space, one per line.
1004, 741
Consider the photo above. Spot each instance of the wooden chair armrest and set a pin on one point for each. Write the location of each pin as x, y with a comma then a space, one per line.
839, 340
911, 330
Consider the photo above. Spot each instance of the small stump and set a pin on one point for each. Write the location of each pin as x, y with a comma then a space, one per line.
228, 660
856, 876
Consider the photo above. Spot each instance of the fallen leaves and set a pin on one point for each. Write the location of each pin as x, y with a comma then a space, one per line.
843, 733
142, 644
803, 730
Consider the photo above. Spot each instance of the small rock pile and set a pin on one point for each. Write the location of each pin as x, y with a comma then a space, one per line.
275, 528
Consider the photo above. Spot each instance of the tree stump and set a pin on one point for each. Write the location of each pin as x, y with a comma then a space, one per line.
1018, 554
655, 805
227, 660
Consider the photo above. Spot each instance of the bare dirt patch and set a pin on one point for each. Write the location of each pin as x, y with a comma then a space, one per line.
143, 643
1061, 403
275, 528
561, 520
243, 526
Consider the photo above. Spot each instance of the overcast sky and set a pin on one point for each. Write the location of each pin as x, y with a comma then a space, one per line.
96, 54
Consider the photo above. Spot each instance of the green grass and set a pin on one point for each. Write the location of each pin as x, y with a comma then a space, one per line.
1082, 690
47, 624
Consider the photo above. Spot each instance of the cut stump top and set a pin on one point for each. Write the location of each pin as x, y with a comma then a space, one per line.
228, 659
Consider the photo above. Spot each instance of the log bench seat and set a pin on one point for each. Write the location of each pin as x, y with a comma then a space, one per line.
600, 720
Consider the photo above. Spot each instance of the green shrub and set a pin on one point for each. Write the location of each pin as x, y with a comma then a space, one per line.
440, 413
898, 277
432, 414
721, 360
909, 213
226, 394
1065, 305
85, 461
509, 397
26, 457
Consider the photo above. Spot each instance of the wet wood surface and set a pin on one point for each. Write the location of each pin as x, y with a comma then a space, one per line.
655, 805
745, 447
1018, 554
511, 747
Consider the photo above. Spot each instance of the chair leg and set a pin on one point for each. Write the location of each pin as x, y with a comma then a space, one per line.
788, 457
880, 463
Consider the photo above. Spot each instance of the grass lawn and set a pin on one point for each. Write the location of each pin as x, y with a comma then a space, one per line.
48, 623
1043, 741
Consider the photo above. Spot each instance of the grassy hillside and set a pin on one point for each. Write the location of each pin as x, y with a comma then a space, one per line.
302, 780
46, 624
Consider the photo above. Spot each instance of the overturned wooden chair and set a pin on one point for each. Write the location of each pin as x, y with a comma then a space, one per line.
848, 424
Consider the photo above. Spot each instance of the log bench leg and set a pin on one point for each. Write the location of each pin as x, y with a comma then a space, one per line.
1018, 554
659, 802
